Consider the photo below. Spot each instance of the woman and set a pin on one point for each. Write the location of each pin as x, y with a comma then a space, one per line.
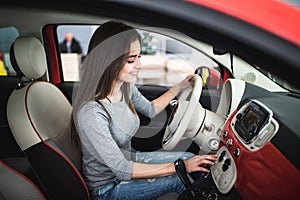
105, 113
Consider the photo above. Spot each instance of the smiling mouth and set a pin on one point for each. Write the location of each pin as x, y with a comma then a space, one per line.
135, 73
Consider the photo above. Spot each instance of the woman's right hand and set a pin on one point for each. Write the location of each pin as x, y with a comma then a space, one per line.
198, 163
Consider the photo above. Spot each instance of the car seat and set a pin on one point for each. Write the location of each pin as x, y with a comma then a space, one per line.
39, 116
15, 186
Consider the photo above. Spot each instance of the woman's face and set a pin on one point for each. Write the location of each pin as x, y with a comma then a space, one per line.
130, 70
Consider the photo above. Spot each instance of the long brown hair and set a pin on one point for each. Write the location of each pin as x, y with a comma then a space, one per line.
107, 79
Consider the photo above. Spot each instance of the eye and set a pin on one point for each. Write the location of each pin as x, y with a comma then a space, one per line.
132, 60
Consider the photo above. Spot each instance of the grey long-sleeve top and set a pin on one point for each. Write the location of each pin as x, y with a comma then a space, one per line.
106, 145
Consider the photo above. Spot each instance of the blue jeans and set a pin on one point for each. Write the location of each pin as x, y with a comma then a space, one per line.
143, 189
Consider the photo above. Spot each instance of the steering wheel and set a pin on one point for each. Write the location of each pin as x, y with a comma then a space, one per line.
182, 114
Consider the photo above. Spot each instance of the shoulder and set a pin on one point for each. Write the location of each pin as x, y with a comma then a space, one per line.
91, 109
75, 41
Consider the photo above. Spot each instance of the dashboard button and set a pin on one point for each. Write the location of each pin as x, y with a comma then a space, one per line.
224, 134
213, 144
229, 142
239, 116
221, 157
236, 152
226, 164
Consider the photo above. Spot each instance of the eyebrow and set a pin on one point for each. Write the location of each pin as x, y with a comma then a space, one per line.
132, 56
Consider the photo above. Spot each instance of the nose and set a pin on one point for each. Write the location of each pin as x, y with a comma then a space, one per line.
137, 63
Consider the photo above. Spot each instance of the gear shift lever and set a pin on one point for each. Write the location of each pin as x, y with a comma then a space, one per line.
181, 172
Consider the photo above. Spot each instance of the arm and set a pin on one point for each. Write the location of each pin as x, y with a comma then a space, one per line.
196, 163
162, 102
150, 109
142, 170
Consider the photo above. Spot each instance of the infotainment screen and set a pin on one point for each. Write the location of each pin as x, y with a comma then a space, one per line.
250, 122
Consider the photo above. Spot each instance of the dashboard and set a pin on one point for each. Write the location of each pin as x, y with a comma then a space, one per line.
253, 153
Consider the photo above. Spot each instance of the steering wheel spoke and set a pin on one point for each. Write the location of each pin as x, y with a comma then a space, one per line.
188, 103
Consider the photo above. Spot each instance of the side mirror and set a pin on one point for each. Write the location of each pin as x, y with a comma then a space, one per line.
211, 77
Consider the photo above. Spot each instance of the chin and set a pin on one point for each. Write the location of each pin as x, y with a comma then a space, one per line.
132, 80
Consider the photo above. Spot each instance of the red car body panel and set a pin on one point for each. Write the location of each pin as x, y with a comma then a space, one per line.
277, 17
264, 174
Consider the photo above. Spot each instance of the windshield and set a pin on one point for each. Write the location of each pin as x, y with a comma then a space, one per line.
294, 2
279, 81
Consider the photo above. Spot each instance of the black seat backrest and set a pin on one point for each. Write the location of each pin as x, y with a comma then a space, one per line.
15, 186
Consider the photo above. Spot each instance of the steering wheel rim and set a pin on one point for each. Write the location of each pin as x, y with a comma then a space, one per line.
182, 114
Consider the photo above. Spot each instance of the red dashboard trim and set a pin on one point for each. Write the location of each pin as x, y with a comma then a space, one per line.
263, 174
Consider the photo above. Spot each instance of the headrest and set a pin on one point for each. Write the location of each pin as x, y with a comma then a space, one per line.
28, 57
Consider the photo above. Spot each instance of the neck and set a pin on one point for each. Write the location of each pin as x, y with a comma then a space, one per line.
116, 93
117, 87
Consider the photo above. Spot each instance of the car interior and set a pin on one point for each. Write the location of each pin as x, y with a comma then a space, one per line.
239, 108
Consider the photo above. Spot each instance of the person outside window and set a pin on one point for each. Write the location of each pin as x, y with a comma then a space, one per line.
70, 45
105, 107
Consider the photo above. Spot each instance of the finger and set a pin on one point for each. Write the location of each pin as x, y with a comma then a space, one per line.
206, 162
197, 157
211, 157
190, 77
208, 157
203, 169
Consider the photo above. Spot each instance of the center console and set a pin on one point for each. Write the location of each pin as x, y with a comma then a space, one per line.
224, 171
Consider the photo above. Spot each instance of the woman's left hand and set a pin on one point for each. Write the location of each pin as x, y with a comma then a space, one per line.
187, 82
